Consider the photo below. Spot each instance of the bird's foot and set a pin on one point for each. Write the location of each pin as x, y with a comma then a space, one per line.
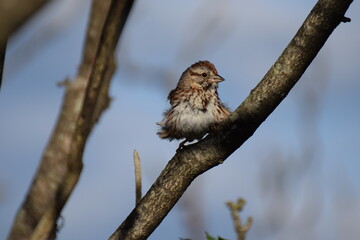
182, 145
213, 127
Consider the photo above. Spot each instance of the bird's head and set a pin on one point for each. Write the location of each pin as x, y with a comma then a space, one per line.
200, 74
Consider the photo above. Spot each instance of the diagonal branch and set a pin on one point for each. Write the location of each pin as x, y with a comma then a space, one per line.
85, 100
14, 13
2, 60
197, 158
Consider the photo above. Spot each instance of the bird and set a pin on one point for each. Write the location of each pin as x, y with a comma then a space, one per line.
196, 108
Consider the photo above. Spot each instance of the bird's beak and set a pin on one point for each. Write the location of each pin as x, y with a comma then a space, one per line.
217, 79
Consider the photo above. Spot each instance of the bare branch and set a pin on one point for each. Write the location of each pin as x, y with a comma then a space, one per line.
14, 13
2, 60
346, 19
197, 158
85, 100
235, 208
138, 194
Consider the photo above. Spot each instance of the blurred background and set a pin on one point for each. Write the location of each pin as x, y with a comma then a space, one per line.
299, 172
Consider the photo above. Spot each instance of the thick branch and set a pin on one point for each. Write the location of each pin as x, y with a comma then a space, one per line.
14, 13
197, 158
85, 100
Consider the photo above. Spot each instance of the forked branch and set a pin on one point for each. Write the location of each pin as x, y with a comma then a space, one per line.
235, 209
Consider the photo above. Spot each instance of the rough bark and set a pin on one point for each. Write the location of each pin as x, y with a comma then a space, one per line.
85, 100
197, 158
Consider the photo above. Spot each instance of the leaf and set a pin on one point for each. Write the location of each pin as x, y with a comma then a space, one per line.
208, 237
220, 238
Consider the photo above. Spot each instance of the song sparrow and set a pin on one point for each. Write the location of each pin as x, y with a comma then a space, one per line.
195, 104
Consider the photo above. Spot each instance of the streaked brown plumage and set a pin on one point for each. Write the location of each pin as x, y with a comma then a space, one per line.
195, 104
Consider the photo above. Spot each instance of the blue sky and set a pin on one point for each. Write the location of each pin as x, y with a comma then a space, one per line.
299, 170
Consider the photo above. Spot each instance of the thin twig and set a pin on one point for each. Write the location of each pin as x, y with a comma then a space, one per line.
346, 19
138, 193
235, 209
2, 60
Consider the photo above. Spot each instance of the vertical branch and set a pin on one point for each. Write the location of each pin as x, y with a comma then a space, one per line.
240, 229
85, 100
138, 194
2, 60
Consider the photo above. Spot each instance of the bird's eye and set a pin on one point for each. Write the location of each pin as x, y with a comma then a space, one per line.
204, 75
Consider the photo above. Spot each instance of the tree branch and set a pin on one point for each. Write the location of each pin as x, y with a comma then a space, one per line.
2, 60
235, 209
14, 13
138, 194
84, 101
197, 158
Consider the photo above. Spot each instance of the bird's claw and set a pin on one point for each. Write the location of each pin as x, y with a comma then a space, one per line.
214, 127
181, 145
